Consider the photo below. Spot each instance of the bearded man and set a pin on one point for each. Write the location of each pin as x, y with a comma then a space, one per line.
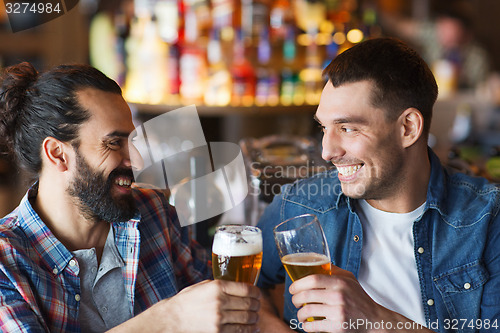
84, 251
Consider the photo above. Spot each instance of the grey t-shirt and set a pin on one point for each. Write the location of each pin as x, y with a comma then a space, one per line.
103, 302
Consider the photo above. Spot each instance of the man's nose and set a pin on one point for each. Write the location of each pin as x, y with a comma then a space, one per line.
134, 158
126, 157
332, 148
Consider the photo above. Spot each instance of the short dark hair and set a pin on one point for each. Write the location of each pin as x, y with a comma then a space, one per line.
401, 77
34, 106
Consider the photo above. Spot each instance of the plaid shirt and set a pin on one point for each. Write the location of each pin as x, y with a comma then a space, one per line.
39, 283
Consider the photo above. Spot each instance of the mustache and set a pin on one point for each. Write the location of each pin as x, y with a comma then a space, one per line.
125, 172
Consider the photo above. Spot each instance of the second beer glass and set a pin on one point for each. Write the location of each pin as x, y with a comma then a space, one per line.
237, 253
302, 246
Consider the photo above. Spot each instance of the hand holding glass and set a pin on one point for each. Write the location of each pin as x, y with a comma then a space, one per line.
302, 247
237, 253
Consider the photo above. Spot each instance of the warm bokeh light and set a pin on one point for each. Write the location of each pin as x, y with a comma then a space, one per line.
327, 27
323, 39
355, 36
339, 38
304, 39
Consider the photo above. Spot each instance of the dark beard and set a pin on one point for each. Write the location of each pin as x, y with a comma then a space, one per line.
93, 193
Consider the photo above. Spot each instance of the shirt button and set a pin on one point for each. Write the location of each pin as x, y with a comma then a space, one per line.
420, 250
430, 302
72, 262
55, 271
356, 238
77, 297
467, 285
94, 269
104, 309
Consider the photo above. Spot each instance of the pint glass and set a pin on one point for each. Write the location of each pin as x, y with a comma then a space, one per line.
302, 246
237, 253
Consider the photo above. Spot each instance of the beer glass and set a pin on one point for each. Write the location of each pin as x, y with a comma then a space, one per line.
237, 253
302, 248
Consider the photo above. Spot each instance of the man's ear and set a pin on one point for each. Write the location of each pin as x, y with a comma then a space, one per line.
412, 126
56, 153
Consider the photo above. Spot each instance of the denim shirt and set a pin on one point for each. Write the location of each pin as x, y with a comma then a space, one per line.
457, 244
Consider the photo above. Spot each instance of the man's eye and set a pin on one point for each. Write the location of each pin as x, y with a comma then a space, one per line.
322, 128
347, 129
114, 144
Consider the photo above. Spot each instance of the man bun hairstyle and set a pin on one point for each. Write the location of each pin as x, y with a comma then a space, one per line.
34, 106
16, 81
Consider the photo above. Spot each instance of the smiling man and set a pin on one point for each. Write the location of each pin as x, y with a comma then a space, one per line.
415, 246
84, 251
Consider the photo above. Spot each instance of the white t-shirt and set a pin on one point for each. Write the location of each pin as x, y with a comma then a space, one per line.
388, 271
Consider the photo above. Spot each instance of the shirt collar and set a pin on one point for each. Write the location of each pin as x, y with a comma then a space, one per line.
435, 187
50, 249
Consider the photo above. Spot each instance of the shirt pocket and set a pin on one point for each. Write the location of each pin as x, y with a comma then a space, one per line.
461, 289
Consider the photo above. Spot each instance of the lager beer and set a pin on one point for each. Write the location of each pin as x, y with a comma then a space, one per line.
302, 248
237, 253
299, 265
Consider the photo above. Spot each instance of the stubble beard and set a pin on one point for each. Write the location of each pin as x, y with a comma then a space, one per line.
378, 182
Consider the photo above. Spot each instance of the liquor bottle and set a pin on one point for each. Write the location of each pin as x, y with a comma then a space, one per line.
192, 62
288, 76
173, 75
147, 55
105, 47
218, 87
280, 17
132, 79
226, 17
201, 9
170, 15
267, 87
243, 75
254, 19
311, 74
309, 14
122, 27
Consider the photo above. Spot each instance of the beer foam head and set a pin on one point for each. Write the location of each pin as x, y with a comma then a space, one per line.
305, 259
244, 244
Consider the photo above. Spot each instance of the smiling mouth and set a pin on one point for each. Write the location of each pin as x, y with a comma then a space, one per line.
349, 170
123, 181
